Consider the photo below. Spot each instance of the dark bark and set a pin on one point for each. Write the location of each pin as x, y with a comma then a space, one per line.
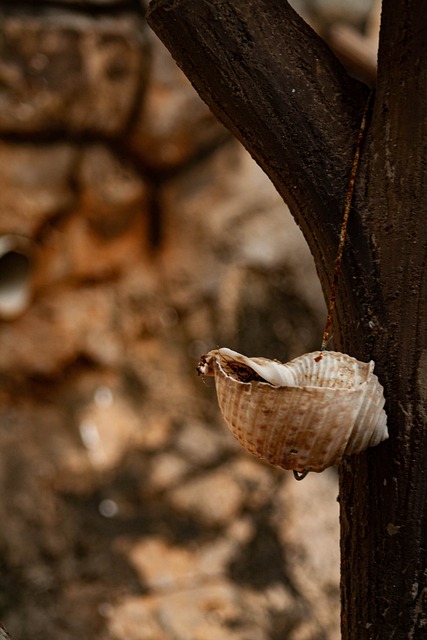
273, 82
384, 492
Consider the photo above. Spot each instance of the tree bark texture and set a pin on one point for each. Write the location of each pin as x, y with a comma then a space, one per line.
272, 81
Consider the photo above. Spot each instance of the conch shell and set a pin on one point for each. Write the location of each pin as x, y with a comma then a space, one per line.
304, 415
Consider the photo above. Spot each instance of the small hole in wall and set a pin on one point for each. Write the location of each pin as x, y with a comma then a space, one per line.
15, 272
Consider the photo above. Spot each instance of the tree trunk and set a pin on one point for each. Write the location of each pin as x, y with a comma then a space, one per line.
272, 81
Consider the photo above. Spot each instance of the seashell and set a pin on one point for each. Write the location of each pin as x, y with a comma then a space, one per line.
304, 415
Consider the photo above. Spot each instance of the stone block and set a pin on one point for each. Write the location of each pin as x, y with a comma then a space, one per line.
173, 124
62, 71
35, 184
111, 191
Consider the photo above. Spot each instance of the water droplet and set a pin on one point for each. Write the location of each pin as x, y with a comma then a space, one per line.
108, 508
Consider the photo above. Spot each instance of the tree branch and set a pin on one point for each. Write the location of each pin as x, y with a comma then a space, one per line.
273, 82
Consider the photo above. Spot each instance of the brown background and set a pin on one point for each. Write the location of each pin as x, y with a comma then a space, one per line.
139, 235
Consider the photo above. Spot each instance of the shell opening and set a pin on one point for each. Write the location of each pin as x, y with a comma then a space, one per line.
327, 370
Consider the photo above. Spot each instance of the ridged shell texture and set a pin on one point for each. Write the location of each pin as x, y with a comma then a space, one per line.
304, 415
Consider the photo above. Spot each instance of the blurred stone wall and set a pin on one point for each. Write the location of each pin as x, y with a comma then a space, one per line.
135, 235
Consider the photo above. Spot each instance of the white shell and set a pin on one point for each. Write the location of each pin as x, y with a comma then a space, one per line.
304, 415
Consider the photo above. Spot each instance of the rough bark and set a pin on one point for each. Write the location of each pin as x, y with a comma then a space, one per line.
273, 82
383, 493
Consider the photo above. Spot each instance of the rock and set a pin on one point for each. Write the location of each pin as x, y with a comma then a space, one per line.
63, 71
333, 10
217, 611
133, 619
163, 567
215, 498
310, 537
91, 230
35, 183
199, 444
72, 323
173, 123
236, 250
256, 479
167, 470
108, 427
215, 557
72, 251
233, 208
235, 214
111, 192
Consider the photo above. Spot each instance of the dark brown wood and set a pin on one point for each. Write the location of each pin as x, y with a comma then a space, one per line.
384, 492
274, 83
